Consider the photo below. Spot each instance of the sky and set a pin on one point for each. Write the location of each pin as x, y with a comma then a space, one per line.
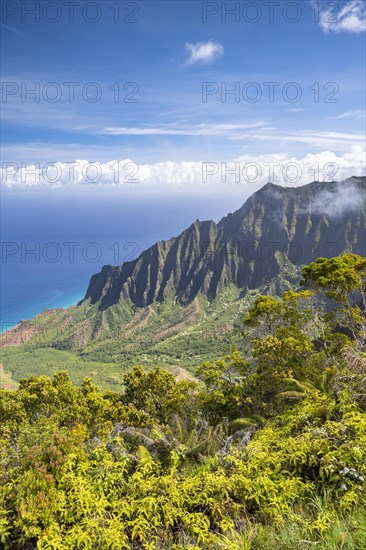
181, 93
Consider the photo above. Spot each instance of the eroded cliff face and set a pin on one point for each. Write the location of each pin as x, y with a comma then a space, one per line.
275, 229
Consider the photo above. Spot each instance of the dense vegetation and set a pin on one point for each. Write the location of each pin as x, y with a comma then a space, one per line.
268, 450
173, 335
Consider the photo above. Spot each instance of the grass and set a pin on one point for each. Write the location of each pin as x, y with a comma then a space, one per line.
340, 532
103, 345
6, 380
22, 364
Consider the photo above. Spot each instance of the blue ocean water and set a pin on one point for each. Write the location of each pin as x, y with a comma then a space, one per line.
53, 240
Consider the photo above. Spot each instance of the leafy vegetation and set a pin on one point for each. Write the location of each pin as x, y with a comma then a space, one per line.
169, 336
266, 450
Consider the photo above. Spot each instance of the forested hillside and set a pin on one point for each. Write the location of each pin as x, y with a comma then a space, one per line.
267, 449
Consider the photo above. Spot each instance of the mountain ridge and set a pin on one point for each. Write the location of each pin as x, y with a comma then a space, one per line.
207, 255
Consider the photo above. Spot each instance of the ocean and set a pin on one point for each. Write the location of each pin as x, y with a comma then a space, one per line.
53, 240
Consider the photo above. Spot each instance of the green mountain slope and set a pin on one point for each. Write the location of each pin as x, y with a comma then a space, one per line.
181, 301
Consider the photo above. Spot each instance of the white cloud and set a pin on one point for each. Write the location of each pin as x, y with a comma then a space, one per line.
11, 29
180, 130
204, 52
330, 140
350, 114
349, 18
337, 202
245, 173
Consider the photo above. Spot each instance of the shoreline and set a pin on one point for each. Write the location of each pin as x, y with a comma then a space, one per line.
33, 312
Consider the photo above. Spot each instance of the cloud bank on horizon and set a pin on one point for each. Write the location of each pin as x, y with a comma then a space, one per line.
245, 172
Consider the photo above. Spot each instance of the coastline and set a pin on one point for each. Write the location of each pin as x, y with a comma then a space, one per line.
28, 313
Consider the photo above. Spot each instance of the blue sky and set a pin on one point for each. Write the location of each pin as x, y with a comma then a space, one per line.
168, 55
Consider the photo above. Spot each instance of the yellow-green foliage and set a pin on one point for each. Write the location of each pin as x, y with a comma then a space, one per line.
267, 452
63, 489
